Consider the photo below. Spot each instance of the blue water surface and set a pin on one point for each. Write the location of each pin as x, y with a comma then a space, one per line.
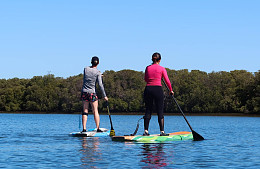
42, 141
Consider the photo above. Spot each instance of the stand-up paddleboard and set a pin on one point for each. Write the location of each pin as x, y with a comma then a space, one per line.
155, 138
91, 133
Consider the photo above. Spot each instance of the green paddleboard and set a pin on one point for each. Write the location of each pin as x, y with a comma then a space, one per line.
155, 138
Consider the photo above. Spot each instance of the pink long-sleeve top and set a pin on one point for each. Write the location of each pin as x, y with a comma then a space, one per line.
154, 74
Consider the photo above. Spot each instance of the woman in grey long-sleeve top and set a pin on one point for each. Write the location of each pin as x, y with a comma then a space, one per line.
88, 93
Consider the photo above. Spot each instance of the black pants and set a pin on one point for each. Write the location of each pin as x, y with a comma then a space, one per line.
153, 95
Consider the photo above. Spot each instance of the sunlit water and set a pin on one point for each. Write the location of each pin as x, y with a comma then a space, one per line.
42, 141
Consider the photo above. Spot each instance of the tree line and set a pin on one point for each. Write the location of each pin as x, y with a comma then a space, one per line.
196, 91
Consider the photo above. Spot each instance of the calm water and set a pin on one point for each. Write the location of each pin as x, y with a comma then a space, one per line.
42, 141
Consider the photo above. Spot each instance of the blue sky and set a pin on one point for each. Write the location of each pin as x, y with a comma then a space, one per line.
38, 37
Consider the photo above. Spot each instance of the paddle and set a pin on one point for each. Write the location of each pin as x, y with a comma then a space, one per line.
112, 131
196, 136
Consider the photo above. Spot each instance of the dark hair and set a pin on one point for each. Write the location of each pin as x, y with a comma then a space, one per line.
94, 61
156, 57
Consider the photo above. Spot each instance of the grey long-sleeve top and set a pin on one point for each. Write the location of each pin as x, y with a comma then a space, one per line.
91, 76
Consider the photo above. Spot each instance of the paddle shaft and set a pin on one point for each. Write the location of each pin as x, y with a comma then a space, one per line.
182, 113
178, 106
110, 118
196, 136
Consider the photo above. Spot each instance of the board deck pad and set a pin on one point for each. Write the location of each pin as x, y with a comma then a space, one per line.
155, 138
91, 133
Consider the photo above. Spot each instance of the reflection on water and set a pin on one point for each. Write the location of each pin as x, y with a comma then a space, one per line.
90, 151
44, 145
154, 155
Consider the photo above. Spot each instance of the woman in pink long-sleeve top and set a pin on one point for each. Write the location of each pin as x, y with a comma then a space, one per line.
153, 93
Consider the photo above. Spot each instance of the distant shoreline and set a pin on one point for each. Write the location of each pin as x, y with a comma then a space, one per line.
141, 114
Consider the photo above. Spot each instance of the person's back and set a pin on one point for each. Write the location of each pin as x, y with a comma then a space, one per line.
91, 76
154, 74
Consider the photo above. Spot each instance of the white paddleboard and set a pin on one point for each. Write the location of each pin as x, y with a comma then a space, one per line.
91, 133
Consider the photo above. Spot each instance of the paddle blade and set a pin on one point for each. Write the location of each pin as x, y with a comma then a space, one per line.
196, 136
112, 132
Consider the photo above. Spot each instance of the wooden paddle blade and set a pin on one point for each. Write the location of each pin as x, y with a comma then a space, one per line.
112, 132
196, 136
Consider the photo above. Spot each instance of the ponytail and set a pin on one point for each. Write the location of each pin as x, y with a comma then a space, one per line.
156, 57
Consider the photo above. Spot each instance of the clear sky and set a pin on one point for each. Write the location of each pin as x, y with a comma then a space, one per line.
38, 37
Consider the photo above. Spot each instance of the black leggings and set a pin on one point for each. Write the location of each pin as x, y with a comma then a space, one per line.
153, 95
